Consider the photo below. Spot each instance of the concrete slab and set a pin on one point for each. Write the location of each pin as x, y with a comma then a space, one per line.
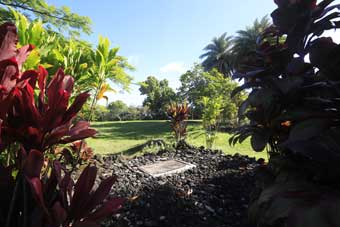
162, 168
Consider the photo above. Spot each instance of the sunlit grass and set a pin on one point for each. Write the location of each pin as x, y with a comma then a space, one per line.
117, 137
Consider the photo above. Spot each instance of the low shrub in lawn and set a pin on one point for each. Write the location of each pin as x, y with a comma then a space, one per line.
36, 188
178, 114
294, 112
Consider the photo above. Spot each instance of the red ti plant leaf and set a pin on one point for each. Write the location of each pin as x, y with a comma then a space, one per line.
33, 163
59, 214
36, 187
52, 120
8, 41
110, 207
82, 191
100, 194
76, 106
66, 186
79, 131
31, 76
22, 54
42, 75
54, 88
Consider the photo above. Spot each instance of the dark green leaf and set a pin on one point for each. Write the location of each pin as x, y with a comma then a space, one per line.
308, 129
259, 141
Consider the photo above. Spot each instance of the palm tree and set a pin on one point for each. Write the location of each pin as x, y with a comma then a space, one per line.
218, 55
245, 40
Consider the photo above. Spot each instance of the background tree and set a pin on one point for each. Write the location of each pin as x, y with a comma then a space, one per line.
213, 106
192, 87
218, 55
117, 109
196, 84
245, 41
158, 96
56, 18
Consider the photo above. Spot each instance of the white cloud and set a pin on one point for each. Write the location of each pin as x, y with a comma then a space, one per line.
173, 67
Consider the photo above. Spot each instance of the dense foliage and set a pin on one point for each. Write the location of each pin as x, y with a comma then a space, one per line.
59, 18
293, 111
197, 84
35, 118
158, 96
92, 68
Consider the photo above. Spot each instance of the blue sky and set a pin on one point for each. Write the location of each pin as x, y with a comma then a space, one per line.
164, 37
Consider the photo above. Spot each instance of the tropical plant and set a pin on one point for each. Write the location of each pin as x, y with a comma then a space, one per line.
219, 55
158, 96
107, 67
245, 41
212, 108
178, 114
293, 111
196, 83
59, 18
34, 33
76, 153
34, 119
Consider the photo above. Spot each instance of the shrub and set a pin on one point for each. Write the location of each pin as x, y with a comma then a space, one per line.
213, 108
293, 111
178, 114
34, 119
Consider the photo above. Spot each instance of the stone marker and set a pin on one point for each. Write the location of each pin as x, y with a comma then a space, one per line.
168, 167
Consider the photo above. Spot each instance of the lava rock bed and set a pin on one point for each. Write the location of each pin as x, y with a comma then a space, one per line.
215, 193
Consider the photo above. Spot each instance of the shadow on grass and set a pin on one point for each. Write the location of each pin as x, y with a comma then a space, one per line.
132, 129
136, 129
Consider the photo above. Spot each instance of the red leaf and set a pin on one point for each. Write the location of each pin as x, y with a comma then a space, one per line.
57, 167
56, 134
28, 108
66, 186
79, 136
82, 191
22, 54
33, 163
42, 75
75, 107
56, 110
31, 76
108, 208
53, 88
58, 213
101, 193
8, 74
68, 83
36, 186
8, 41
78, 132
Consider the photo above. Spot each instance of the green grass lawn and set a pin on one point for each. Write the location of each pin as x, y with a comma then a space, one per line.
116, 137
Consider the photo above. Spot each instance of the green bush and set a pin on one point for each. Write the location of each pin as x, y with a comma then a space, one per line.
294, 113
